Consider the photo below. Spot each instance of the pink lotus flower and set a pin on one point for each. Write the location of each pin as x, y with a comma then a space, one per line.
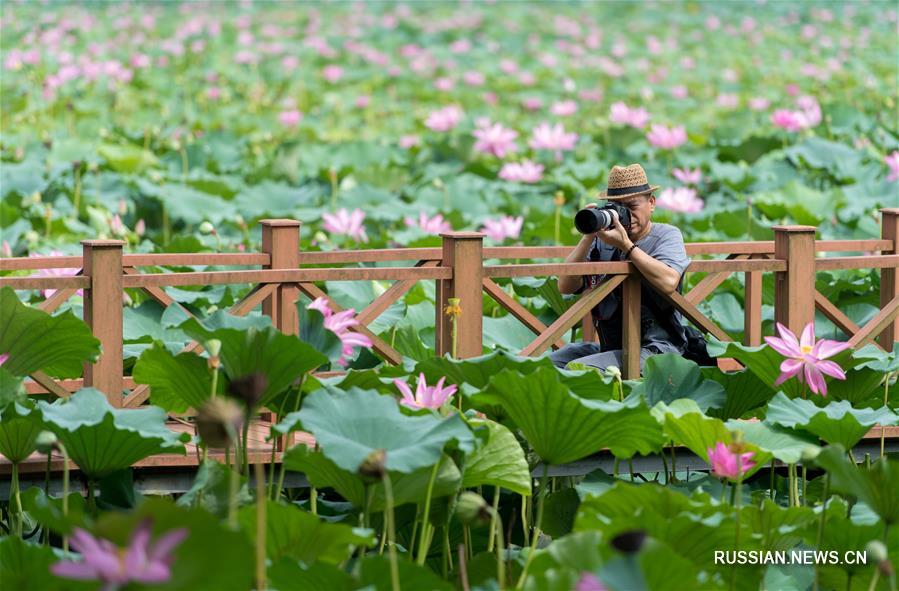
524, 172
444, 84
495, 139
532, 103
679, 91
787, 120
666, 138
810, 110
473, 78
553, 138
589, 582
805, 357
505, 227
728, 100
3, 358
332, 73
407, 141
444, 119
340, 324
434, 225
290, 118
349, 224
892, 160
213, 93
140, 227
432, 397
729, 463
688, 176
681, 199
56, 272
363, 101
624, 115
103, 561
563, 108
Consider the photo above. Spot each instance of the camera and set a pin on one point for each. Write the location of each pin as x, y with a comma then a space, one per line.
591, 219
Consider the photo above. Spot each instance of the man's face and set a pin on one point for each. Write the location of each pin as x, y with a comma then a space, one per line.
641, 208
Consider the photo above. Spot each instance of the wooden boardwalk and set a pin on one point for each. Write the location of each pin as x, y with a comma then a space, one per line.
260, 450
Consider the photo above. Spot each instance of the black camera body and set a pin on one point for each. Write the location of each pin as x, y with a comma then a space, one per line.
591, 219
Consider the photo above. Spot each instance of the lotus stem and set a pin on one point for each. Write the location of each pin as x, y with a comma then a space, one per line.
771, 484
313, 500
665, 465
536, 536
500, 551
737, 505
91, 501
820, 535
493, 517
525, 522
65, 492
804, 482
14, 491
245, 446
76, 193
463, 572
260, 526
233, 483
425, 541
886, 398
46, 535
630, 466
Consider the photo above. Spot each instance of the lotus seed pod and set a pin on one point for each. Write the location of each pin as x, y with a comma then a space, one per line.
46, 442
809, 453
214, 346
206, 228
218, 421
249, 388
629, 542
876, 550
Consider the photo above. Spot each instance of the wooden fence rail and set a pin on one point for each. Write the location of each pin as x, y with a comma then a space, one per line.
462, 268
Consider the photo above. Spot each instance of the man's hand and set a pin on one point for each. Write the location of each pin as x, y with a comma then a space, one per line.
617, 236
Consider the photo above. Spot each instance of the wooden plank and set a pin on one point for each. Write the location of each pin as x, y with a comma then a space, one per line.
794, 299
20, 283
196, 259
369, 256
571, 316
50, 385
42, 262
517, 310
631, 333
103, 314
876, 325
835, 315
380, 346
393, 293
704, 288
693, 314
57, 299
878, 261
280, 276
889, 277
752, 308
68, 386
547, 269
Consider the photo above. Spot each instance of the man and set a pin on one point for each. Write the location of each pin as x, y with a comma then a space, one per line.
656, 250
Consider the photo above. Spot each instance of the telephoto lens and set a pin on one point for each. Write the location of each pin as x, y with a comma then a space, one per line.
591, 219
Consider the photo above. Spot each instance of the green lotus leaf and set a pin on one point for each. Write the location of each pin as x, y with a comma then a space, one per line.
24, 566
48, 510
844, 535
774, 527
743, 391
688, 426
127, 157
348, 426
499, 461
875, 486
102, 439
11, 389
563, 427
669, 376
785, 445
19, 426
290, 531
177, 382
374, 573
877, 359
837, 422
212, 557
407, 488
35, 340
288, 575
211, 489
280, 357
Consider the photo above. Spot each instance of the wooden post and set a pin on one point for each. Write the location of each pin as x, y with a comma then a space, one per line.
794, 289
588, 329
281, 241
631, 337
102, 263
463, 251
889, 276
752, 308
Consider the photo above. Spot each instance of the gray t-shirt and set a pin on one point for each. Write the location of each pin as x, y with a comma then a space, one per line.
665, 243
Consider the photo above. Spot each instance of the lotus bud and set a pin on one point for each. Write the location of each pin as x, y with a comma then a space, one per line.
809, 452
46, 442
238, 219
876, 550
123, 207
629, 542
35, 197
206, 228
214, 347
374, 466
438, 183
5, 250
453, 309
140, 227
249, 388
32, 237
218, 421
559, 199
613, 371
471, 507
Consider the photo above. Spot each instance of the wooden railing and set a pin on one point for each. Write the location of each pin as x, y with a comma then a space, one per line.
463, 269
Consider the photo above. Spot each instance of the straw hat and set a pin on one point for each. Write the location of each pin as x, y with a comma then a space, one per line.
627, 181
